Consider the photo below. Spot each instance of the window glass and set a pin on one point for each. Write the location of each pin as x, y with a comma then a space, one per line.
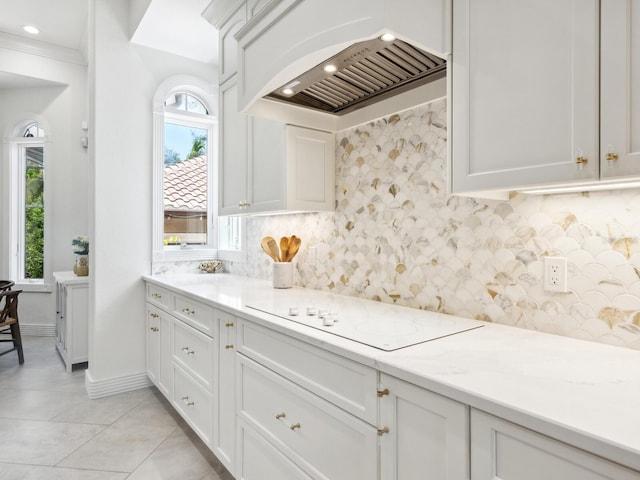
185, 185
33, 201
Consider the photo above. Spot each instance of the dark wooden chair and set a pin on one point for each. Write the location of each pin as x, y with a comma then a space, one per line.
9, 324
6, 285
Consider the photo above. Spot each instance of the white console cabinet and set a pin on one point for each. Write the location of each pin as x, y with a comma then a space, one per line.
72, 311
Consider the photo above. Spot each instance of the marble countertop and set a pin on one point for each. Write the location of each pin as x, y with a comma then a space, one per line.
580, 392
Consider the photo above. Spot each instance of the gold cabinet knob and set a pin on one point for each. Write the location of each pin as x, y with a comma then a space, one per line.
228, 324
581, 160
295, 426
154, 329
382, 431
280, 415
154, 315
228, 347
156, 295
382, 393
612, 156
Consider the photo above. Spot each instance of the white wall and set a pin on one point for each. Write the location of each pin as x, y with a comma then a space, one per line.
122, 81
63, 107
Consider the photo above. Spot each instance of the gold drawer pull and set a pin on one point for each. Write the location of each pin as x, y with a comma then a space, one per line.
154, 329
382, 393
156, 295
581, 160
228, 347
185, 399
295, 426
228, 324
382, 431
154, 315
280, 415
188, 311
612, 157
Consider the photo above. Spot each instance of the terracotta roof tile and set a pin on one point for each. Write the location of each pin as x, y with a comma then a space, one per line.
185, 185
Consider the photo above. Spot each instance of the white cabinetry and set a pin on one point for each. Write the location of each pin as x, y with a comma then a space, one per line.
503, 450
72, 312
620, 89
525, 93
224, 438
547, 106
159, 344
315, 408
428, 434
267, 166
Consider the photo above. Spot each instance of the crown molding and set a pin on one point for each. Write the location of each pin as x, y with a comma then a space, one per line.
41, 49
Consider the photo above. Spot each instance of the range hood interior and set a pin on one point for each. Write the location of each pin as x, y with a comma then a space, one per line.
365, 73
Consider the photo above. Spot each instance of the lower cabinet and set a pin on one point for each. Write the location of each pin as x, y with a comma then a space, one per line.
501, 450
194, 403
259, 459
224, 433
72, 312
323, 440
159, 346
424, 435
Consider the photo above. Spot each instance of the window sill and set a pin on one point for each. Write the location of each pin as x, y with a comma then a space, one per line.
33, 287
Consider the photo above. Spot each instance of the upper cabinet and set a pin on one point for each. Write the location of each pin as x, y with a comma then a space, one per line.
525, 93
542, 94
228, 46
620, 92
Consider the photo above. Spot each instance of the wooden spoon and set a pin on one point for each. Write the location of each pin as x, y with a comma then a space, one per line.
284, 249
270, 248
294, 246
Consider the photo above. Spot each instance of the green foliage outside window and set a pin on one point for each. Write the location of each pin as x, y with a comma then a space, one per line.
34, 220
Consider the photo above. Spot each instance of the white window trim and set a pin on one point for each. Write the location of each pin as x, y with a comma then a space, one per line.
207, 94
13, 143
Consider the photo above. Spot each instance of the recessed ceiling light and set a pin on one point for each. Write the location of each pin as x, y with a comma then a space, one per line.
330, 68
287, 91
387, 37
31, 29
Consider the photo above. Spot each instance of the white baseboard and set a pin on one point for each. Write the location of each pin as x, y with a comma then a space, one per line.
112, 386
38, 329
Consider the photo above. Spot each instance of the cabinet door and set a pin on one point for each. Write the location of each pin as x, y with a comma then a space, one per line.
153, 344
224, 427
428, 434
524, 93
310, 170
504, 451
267, 156
620, 91
232, 180
228, 45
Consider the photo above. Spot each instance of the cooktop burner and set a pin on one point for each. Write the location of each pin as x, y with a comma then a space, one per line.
383, 326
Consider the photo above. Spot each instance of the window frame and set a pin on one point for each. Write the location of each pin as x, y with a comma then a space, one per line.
15, 168
206, 93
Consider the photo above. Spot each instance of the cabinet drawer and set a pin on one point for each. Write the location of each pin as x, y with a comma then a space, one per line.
261, 460
194, 351
320, 437
348, 384
196, 314
159, 296
193, 402
503, 450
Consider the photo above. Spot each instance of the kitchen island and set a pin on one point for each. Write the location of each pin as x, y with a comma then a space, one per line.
517, 403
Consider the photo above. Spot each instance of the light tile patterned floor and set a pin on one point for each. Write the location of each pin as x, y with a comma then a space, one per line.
50, 429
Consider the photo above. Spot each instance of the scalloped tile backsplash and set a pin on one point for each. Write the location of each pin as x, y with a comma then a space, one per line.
397, 237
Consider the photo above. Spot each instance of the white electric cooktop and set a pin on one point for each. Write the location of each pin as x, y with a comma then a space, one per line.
379, 325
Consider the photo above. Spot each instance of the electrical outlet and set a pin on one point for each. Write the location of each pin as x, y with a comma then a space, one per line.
555, 274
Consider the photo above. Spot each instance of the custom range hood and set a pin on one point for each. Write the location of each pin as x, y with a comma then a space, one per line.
360, 75
383, 55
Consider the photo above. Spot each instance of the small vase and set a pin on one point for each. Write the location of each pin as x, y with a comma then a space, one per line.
282, 274
81, 267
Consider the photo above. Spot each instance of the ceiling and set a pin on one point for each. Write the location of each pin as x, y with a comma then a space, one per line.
63, 23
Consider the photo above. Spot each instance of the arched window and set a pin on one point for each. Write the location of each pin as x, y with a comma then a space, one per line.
26, 148
186, 225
